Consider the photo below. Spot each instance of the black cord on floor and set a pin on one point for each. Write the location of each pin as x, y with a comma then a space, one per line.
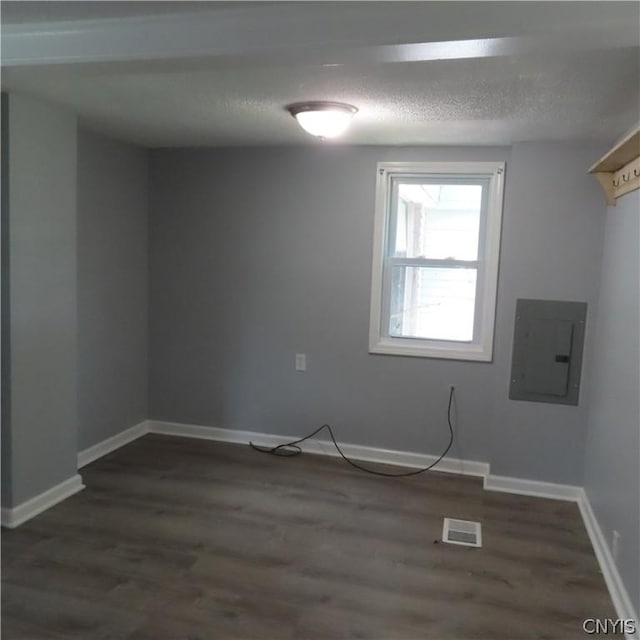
292, 449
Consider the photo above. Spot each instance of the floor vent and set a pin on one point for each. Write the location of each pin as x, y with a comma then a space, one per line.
463, 532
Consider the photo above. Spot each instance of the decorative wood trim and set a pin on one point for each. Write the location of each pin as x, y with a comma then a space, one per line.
606, 182
618, 171
627, 178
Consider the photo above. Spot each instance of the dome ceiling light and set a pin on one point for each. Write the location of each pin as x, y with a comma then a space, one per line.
323, 119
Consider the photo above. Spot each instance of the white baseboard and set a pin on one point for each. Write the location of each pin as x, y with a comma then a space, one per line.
324, 447
621, 600
111, 444
15, 516
521, 486
535, 488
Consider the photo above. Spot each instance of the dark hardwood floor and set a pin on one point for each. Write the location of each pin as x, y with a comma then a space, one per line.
177, 539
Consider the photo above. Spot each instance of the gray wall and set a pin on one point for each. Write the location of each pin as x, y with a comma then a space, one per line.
257, 254
611, 476
42, 314
551, 249
112, 287
5, 324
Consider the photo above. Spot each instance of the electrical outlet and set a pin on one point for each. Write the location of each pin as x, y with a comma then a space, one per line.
615, 543
301, 361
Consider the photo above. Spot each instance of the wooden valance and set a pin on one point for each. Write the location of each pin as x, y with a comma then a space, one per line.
618, 171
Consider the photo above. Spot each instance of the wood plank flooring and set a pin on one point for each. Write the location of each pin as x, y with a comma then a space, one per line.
178, 539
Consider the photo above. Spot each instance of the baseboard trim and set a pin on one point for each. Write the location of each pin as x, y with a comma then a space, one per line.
323, 447
521, 486
111, 444
534, 488
617, 590
15, 516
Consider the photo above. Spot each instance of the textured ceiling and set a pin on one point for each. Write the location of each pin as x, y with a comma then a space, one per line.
239, 100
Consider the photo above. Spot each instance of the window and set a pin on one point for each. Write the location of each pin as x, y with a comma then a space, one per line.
435, 262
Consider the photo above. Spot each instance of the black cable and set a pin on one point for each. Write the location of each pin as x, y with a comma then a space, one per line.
292, 449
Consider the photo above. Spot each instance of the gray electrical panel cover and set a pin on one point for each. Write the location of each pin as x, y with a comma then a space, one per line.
548, 338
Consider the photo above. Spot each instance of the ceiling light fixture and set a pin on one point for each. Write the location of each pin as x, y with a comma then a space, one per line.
323, 119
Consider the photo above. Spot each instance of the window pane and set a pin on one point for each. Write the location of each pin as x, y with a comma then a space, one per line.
433, 303
437, 221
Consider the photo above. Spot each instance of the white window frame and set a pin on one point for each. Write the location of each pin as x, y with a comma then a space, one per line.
480, 348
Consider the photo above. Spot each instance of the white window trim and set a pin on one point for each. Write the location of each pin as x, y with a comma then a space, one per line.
482, 349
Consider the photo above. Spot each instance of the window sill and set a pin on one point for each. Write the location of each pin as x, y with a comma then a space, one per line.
416, 349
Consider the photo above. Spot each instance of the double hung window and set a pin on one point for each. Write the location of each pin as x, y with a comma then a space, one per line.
435, 264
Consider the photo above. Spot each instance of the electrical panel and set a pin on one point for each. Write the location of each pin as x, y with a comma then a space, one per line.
548, 339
